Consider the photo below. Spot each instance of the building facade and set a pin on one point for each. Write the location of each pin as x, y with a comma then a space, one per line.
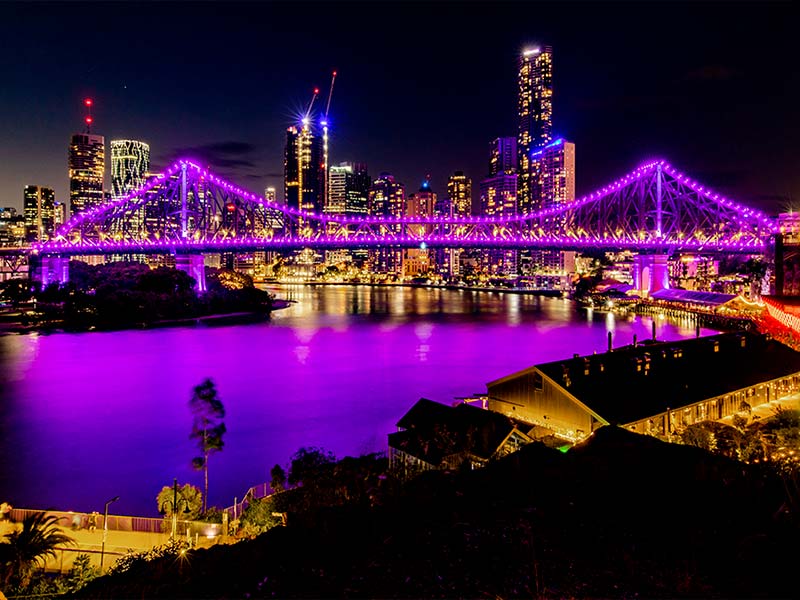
386, 198
87, 166
39, 210
130, 166
503, 156
304, 168
534, 116
655, 388
459, 194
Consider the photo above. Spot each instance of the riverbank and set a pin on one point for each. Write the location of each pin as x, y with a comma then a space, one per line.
217, 319
526, 291
700, 318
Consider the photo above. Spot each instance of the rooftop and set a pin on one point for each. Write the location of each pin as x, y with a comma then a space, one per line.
434, 431
634, 383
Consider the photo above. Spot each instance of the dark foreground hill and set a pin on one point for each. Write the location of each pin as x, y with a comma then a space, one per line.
622, 515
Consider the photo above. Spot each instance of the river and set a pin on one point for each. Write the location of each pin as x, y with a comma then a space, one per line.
89, 416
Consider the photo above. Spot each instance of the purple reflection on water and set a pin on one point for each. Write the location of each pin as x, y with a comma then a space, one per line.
85, 417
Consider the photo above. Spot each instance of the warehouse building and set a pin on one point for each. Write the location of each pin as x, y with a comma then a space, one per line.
657, 388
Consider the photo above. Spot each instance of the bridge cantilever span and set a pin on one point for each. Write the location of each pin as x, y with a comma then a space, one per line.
190, 210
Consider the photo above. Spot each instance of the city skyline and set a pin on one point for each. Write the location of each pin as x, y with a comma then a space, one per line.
377, 129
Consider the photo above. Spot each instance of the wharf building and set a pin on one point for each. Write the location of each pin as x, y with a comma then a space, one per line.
655, 388
39, 210
86, 171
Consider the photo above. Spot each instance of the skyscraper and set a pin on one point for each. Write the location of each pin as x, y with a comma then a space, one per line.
357, 187
303, 168
386, 198
86, 171
38, 206
459, 193
503, 157
130, 165
535, 116
337, 188
553, 173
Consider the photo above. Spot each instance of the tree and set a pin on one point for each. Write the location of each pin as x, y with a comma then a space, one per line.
189, 501
207, 427
309, 463
29, 546
277, 478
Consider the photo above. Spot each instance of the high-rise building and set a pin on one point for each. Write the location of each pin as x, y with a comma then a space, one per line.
553, 174
12, 227
535, 116
38, 204
459, 193
130, 165
337, 188
59, 214
424, 203
499, 195
270, 194
303, 168
503, 157
387, 197
357, 190
87, 166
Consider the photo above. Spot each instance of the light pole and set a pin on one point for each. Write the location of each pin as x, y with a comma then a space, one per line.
105, 531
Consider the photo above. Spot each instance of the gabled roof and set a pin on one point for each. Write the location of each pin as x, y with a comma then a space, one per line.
434, 431
631, 384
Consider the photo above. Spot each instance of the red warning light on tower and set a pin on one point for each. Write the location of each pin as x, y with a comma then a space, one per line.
89, 120
88, 102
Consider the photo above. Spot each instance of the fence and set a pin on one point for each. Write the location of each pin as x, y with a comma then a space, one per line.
78, 520
256, 492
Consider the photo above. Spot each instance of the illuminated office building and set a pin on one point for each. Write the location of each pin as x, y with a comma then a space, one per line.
535, 116
417, 262
553, 184
130, 164
337, 189
459, 194
386, 198
553, 174
503, 157
38, 203
357, 187
86, 171
303, 168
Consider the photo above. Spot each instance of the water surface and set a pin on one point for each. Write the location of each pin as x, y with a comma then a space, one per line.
85, 417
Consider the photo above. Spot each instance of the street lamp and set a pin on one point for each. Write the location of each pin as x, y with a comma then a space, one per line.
174, 507
105, 531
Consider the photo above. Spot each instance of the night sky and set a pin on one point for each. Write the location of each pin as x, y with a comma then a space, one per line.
422, 87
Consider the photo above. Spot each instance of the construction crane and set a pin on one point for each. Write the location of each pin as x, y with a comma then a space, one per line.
310, 105
325, 194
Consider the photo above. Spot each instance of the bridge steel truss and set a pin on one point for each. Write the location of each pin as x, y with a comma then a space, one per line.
190, 210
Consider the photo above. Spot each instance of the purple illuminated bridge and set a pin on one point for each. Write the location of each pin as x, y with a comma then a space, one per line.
188, 210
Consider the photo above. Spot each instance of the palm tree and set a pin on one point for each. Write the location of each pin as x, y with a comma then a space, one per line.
25, 548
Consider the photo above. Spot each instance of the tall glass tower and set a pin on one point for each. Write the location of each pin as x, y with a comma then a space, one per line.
87, 165
535, 116
130, 164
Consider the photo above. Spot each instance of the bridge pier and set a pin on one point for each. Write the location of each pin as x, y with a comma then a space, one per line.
194, 266
650, 273
49, 269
